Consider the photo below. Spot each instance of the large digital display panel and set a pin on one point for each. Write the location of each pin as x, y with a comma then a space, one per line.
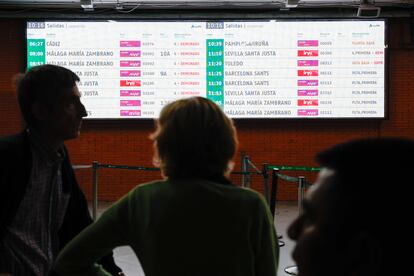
252, 69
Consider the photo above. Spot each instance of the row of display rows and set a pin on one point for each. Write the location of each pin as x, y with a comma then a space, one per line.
228, 74
241, 103
85, 40
200, 56
265, 94
251, 113
73, 53
200, 64
235, 83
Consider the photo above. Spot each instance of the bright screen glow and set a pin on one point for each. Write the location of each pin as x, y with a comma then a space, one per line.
252, 69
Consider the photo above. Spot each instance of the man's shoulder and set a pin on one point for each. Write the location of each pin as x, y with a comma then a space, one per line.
14, 140
13, 145
247, 194
152, 186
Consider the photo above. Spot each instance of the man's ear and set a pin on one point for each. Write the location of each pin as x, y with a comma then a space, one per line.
366, 255
39, 111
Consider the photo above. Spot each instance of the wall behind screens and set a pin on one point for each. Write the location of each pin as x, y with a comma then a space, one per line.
252, 69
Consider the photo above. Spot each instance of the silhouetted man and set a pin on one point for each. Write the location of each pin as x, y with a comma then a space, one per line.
359, 200
41, 205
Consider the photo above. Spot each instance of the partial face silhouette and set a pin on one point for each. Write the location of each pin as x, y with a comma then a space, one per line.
65, 117
316, 253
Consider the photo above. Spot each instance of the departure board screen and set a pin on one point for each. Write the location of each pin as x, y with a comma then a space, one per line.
251, 69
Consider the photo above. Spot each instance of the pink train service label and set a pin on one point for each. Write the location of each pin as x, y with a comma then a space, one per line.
133, 113
130, 93
130, 63
308, 43
130, 53
130, 103
308, 82
129, 43
308, 92
308, 63
307, 112
130, 73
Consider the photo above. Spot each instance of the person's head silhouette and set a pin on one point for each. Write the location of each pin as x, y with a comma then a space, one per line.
194, 138
343, 229
49, 101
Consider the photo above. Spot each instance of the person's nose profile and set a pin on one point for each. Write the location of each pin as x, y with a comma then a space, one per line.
83, 112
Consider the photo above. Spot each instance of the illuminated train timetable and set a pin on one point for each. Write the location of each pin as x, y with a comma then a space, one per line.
252, 69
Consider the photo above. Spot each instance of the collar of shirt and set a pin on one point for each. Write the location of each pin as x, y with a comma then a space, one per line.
217, 178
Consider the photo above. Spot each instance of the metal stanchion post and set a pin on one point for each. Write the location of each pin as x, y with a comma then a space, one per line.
273, 195
243, 168
293, 269
301, 192
266, 182
248, 177
95, 167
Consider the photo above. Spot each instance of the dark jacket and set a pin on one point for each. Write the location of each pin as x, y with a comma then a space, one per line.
15, 169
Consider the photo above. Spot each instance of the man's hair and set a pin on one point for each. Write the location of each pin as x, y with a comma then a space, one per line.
194, 138
43, 84
370, 187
